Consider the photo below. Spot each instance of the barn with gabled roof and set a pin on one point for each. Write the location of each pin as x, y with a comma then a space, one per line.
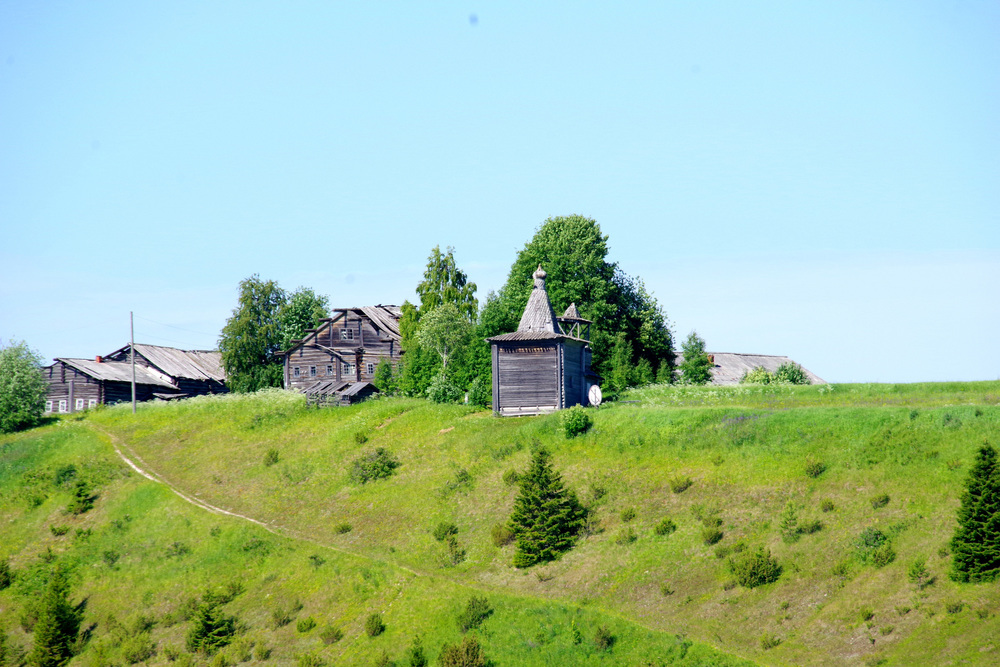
546, 364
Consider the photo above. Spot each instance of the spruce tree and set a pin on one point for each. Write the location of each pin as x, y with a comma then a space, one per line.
212, 630
57, 626
696, 367
976, 544
547, 516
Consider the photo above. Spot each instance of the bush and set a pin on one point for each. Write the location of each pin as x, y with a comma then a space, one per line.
755, 568
789, 524
880, 501
576, 421
603, 639
791, 373
815, 468
442, 390
868, 542
480, 392
22, 388
680, 484
665, 527
374, 625
625, 536
271, 457
866, 614
467, 653
456, 554
415, 654
476, 611
511, 477
82, 500
827, 506
628, 514
305, 624
6, 574
374, 465
280, 618
59, 531
768, 642
342, 528
138, 648
883, 555
331, 634
443, 530
758, 375
311, 660
918, 574
501, 535
711, 536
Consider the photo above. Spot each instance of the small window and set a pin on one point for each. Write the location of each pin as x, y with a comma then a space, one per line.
370, 368
347, 368
329, 369
92, 403
346, 334
62, 405
312, 371
295, 371
79, 404
48, 406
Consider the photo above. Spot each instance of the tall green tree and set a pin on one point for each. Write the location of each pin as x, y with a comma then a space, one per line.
303, 310
445, 283
975, 546
22, 387
696, 367
252, 336
57, 626
547, 516
573, 251
444, 330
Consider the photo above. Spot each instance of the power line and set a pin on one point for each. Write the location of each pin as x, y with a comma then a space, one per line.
164, 324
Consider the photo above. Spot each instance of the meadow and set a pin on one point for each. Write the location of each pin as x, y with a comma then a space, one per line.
803, 472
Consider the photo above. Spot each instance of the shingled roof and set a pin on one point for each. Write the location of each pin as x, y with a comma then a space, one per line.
117, 371
538, 314
186, 364
728, 367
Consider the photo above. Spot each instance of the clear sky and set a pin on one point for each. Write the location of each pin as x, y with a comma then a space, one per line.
819, 180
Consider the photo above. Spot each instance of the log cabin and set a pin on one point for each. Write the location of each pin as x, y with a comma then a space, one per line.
160, 372
546, 364
344, 348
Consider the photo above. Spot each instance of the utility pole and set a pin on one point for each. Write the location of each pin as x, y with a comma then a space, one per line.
131, 326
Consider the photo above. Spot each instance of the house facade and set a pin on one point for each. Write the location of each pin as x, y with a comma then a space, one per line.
344, 348
546, 364
160, 372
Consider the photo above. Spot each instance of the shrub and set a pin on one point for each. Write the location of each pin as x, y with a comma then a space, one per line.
415, 654
883, 555
755, 568
810, 527
82, 500
22, 388
476, 611
374, 625
271, 457
768, 642
758, 375
467, 653
443, 530
666, 590
6, 574
625, 536
791, 373
59, 531
868, 542
918, 574
262, 652
480, 392
680, 484
331, 634
501, 535
360, 437
511, 477
342, 528
665, 527
374, 465
628, 514
815, 468
310, 660
576, 421
316, 561
137, 648
887, 630
880, 501
954, 607
443, 390
603, 639
827, 506
177, 549
866, 614
711, 536
280, 618
456, 554
110, 557
305, 624
789, 524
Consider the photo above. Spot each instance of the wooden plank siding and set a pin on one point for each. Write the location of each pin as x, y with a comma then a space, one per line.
528, 378
349, 338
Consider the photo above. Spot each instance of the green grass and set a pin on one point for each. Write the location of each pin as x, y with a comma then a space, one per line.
747, 451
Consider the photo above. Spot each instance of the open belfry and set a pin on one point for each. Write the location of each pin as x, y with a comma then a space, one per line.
545, 365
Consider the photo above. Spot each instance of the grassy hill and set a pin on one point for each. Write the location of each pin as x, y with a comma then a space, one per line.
846, 457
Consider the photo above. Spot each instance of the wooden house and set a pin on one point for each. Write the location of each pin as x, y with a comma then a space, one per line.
160, 372
344, 348
545, 365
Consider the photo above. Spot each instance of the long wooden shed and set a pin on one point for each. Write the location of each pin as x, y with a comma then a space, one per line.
540, 368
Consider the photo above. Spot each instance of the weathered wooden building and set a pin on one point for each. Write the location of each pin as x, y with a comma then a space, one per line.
160, 372
728, 368
346, 347
545, 365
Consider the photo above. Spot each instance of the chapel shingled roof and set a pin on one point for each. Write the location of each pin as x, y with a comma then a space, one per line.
538, 315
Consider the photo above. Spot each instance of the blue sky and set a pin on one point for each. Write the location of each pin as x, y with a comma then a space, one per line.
818, 180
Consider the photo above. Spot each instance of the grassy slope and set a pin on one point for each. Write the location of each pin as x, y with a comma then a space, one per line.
745, 449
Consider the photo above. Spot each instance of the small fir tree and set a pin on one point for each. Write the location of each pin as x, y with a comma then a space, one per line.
696, 367
57, 626
976, 545
212, 629
385, 380
547, 516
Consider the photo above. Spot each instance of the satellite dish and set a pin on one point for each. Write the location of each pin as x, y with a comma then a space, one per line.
594, 395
